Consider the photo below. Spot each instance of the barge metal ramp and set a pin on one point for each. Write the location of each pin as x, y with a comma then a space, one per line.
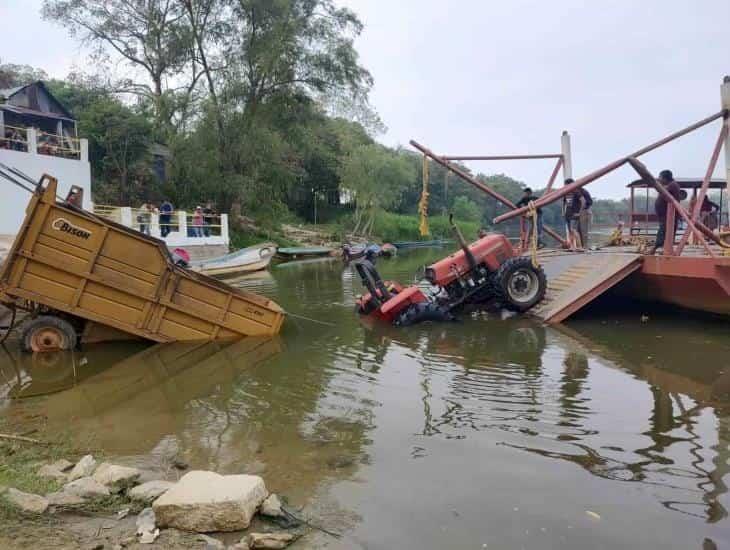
577, 278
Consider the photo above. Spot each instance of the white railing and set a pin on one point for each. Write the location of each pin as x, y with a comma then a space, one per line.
37, 142
180, 232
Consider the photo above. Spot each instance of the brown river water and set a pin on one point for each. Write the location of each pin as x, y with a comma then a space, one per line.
605, 433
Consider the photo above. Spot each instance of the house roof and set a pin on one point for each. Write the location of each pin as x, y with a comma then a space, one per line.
8, 94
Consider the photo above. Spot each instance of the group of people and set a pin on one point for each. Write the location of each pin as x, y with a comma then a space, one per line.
576, 214
708, 210
16, 139
201, 221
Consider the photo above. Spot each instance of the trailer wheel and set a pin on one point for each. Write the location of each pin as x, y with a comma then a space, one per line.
48, 333
519, 284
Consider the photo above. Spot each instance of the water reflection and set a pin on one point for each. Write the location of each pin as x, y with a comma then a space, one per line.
460, 424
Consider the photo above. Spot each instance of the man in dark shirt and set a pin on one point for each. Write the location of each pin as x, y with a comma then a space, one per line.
527, 197
666, 179
166, 210
577, 214
208, 214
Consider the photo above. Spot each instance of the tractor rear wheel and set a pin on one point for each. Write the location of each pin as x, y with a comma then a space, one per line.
519, 284
48, 333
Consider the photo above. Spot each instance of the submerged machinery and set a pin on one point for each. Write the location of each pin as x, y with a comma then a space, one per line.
487, 271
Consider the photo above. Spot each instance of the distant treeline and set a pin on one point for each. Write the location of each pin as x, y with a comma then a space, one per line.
259, 106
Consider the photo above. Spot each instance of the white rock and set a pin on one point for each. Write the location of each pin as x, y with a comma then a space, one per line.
27, 502
205, 501
147, 492
146, 528
274, 541
146, 521
239, 546
116, 477
56, 470
148, 537
64, 498
272, 506
84, 468
86, 487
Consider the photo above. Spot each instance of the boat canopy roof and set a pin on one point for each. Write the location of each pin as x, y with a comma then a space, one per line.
686, 183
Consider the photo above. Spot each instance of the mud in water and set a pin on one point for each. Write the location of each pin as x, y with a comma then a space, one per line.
608, 432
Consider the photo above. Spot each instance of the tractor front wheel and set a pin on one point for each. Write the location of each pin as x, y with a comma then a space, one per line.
519, 284
48, 333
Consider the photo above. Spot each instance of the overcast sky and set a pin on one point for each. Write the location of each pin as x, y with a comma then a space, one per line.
492, 77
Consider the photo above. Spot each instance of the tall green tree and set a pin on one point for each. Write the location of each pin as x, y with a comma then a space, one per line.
376, 177
150, 36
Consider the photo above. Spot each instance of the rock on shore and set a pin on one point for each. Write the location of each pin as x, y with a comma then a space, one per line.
57, 470
83, 468
116, 478
273, 541
272, 506
149, 491
205, 502
27, 502
86, 487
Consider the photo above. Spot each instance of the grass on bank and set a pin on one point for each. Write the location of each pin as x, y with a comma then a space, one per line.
19, 465
243, 239
390, 227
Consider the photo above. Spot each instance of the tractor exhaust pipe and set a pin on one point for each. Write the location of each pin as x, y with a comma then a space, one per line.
462, 243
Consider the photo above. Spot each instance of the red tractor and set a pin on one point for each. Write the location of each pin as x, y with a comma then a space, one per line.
488, 271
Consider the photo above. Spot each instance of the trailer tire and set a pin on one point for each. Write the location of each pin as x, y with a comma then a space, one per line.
519, 285
48, 333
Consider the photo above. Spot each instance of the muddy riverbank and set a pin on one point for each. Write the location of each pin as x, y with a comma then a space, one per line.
612, 432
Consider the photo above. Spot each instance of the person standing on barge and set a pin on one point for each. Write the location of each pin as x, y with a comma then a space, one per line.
666, 179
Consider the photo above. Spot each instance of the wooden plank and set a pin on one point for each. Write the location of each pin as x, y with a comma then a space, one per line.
575, 280
222, 317
89, 268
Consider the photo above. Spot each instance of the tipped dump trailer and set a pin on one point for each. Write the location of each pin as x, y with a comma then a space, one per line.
86, 278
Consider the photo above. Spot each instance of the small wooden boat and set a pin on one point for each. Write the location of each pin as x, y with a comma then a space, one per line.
301, 252
421, 244
246, 260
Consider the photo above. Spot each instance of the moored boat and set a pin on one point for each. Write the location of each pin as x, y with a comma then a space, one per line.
246, 260
301, 252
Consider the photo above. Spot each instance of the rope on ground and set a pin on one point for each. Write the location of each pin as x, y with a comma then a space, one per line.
532, 212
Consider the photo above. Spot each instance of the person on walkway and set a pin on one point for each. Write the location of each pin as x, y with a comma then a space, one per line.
198, 222
571, 208
144, 218
666, 179
208, 215
585, 216
577, 215
709, 211
166, 210
528, 197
